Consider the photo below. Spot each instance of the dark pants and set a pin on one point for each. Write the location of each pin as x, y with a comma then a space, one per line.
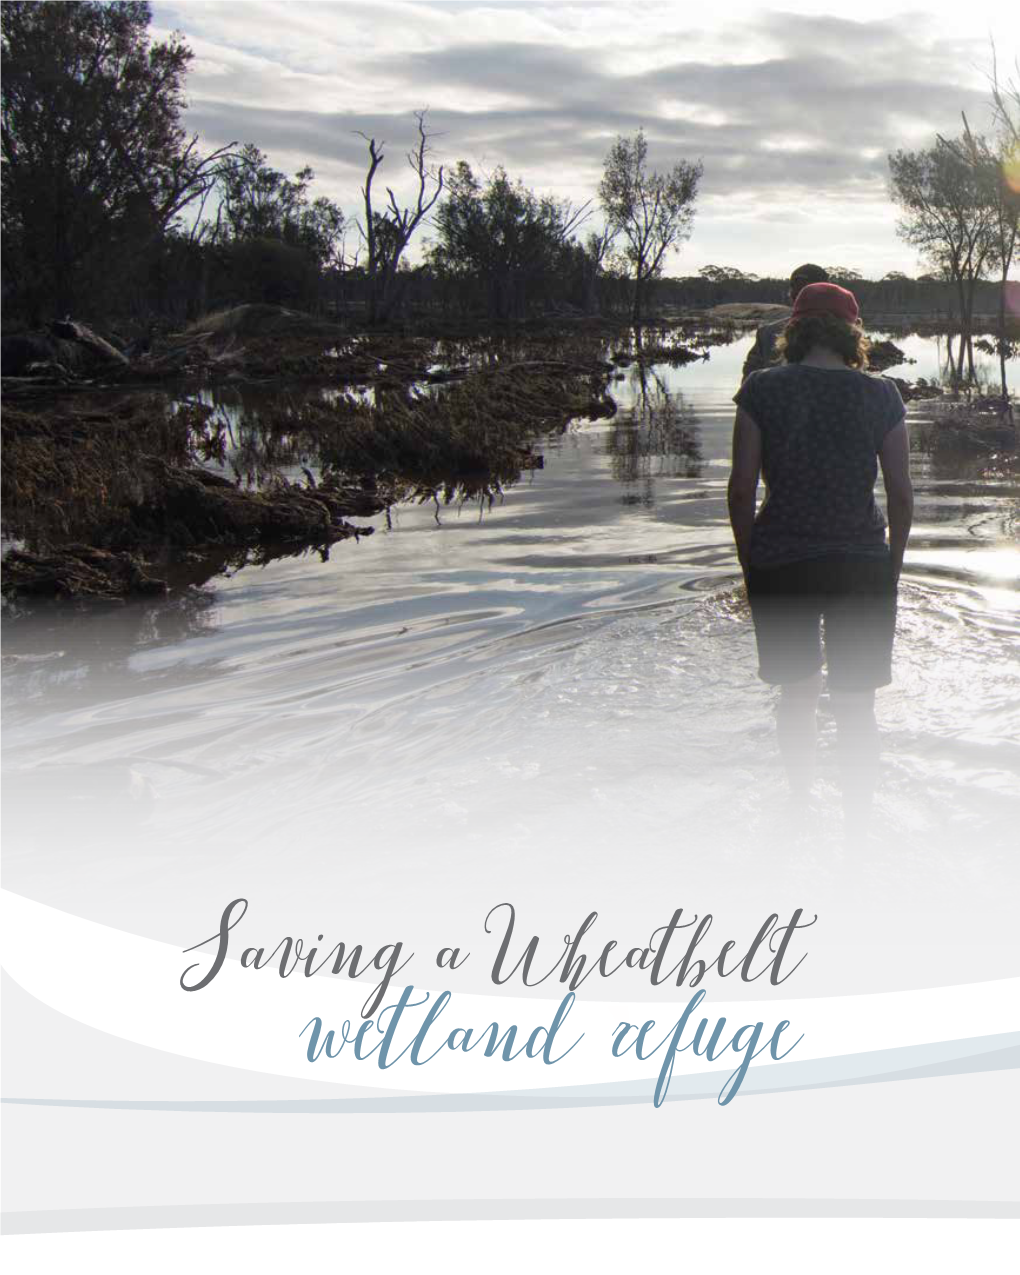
851, 599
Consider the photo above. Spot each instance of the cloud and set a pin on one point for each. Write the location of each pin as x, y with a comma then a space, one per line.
802, 110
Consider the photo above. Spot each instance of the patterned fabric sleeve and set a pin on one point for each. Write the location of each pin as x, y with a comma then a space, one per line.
891, 413
747, 396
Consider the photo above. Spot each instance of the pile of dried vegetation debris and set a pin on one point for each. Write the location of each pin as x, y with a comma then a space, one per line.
127, 495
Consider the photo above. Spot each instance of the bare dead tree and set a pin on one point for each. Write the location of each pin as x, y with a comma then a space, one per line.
387, 234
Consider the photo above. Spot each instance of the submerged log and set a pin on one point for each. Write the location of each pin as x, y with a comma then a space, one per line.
96, 346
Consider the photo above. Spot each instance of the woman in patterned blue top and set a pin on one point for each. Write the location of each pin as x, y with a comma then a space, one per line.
815, 556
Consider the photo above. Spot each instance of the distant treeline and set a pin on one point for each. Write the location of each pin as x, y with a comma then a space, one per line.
180, 279
900, 295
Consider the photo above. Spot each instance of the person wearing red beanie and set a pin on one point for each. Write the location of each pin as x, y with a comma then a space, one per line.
826, 298
815, 557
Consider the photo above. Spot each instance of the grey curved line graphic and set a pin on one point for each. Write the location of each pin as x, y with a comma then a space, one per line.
911, 1062
179, 1216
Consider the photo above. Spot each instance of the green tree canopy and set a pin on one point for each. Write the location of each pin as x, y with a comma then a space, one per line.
949, 213
96, 163
652, 211
503, 233
726, 274
258, 202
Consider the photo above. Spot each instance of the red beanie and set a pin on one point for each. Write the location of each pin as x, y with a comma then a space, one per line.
826, 298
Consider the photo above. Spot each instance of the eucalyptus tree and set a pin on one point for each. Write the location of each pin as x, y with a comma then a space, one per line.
726, 274
996, 168
504, 235
259, 202
269, 240
653, 211
96, 162
948, 214
844, 275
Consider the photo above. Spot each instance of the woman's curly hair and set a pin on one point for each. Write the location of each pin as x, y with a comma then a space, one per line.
845, 339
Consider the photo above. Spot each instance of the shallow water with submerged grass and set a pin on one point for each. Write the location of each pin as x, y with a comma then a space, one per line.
561, 680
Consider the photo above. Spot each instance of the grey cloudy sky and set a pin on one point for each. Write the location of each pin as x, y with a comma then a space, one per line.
792, 110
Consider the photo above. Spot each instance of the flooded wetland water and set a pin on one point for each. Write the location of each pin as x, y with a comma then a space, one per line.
555, 687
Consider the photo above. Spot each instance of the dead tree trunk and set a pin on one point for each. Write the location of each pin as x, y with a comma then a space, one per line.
387, 234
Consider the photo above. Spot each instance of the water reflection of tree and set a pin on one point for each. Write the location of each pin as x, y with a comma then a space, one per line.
255, 435
960, 370
658, 438
258, 436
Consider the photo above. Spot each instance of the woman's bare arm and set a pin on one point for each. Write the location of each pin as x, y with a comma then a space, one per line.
742, 492
894, 458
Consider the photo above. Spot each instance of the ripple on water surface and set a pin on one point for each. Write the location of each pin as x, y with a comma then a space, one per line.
561, 687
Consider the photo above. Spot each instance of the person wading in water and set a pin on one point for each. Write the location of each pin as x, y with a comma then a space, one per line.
763, 351
815, 555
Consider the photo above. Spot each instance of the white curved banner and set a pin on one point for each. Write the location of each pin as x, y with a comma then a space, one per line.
129, 986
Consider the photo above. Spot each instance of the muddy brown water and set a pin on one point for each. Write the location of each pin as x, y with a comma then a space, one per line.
552, 698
